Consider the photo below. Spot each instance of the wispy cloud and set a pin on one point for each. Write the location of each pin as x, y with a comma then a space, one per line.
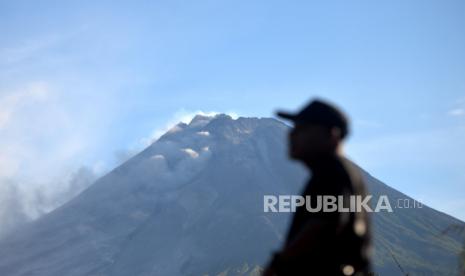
456, 112
459, 108
14, 100
13, 106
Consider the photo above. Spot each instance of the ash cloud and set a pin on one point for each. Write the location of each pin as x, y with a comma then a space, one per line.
22, 202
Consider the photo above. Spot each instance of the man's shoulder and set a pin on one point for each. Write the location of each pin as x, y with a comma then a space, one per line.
353, 173
343, 169
349, 166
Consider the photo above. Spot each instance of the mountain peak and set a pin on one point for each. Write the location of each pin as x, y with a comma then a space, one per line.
201, 120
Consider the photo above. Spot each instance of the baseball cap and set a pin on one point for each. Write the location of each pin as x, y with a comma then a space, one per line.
319, 112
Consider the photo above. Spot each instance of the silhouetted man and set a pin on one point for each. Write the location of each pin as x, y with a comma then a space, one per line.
324, 243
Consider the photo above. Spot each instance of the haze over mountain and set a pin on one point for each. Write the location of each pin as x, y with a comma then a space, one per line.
192, 204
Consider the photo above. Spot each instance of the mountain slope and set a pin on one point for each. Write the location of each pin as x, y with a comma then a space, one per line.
192, 204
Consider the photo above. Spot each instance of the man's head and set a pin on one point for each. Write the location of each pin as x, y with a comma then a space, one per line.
318, 130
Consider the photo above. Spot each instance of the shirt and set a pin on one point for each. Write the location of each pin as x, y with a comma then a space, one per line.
347, 239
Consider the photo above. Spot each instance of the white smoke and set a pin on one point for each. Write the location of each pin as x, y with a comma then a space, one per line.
172, 163
24, 202
181, 116
25, 198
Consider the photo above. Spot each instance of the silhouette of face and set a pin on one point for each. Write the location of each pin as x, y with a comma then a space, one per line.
307, 141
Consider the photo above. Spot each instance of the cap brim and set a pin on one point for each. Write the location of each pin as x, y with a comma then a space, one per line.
286, 115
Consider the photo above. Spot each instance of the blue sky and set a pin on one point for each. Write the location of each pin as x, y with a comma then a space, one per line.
84, 83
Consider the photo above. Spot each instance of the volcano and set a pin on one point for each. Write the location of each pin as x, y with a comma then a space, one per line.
192, 204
